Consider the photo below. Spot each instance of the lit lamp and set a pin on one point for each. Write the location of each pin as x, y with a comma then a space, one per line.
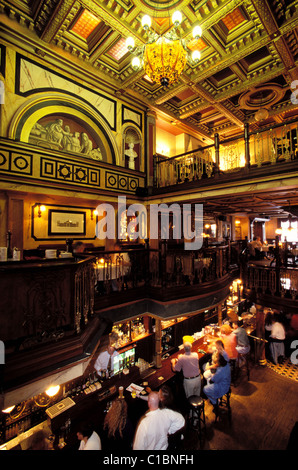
53, 390
8, 410
278, 233
94, 213
261, 114
163, 57
290, 228
41, 209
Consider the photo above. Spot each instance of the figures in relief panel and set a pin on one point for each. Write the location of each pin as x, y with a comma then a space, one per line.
62, 138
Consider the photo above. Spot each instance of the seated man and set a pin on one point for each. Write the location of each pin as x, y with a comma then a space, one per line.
243, 346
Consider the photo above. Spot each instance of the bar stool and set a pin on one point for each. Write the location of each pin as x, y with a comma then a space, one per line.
197, 414
223, 404
243, 357
234, 370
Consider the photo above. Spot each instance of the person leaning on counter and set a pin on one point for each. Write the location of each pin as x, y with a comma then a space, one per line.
105, 360
189, 364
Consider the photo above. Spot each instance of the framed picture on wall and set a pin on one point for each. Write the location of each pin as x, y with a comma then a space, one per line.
66, 222
238, 233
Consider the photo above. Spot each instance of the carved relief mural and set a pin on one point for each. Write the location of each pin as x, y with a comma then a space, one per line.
63, 134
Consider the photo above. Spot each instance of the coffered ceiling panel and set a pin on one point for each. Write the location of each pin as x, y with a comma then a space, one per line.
249, 55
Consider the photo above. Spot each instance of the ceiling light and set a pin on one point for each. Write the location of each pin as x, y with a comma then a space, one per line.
136, 63
163, 57
196, 55
177, 18
197, 32
261, 114
146, 22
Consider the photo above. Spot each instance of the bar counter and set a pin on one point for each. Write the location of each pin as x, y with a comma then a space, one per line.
91, 408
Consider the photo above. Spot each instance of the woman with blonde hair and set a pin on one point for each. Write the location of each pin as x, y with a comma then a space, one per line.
117, 426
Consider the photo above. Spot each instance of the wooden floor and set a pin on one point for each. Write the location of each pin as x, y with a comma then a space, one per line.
264, 411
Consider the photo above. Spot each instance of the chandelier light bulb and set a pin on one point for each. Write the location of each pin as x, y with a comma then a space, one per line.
146, 22
130, 43
135, 63
197, 32
177, 18
196, 55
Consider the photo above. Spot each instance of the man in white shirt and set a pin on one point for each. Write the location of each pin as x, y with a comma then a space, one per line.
155, 426
90, 440
105, 360
189, 364
277, 337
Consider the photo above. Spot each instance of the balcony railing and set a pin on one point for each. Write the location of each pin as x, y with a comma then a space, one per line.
269, 146
168, 267
268, 280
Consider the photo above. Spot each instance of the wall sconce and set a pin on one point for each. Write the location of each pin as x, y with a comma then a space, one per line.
41, 209
237, 222
94, 213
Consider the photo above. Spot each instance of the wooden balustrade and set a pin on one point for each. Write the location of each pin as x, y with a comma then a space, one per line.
166, 267
46, 299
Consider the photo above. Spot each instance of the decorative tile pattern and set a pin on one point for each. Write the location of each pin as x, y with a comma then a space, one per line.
16, 162
122, 182
286, 368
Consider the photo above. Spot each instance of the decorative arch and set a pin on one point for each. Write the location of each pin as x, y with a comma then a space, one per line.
32, 123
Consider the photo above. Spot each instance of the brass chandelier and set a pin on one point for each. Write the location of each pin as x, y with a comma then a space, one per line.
164, 56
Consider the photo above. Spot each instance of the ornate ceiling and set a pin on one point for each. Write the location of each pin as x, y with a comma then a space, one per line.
249, 59
249, 55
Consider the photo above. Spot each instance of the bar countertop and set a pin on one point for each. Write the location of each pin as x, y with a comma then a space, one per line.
95, 404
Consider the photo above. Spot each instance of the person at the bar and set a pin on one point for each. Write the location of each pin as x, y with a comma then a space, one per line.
78, 247
105, 360
212, 366
156, 425
243, 346
221, 349
118, 430
220, 382
188, 363
229, 340
90, 440
276, 340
